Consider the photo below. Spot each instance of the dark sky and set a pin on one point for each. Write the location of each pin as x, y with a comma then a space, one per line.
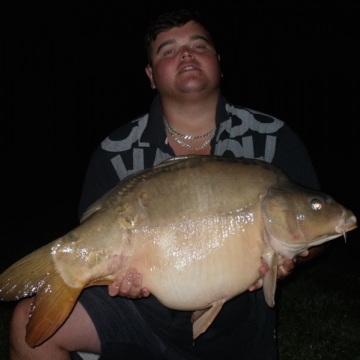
73, 73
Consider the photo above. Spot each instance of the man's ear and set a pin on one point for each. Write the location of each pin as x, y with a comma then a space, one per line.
222, 75
149, 73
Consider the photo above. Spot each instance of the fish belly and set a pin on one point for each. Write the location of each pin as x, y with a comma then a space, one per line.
191, 265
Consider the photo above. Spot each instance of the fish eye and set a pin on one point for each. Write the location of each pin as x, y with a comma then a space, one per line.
316, 204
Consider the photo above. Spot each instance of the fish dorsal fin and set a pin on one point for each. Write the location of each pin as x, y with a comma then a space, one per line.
271, 259
50, 310
204, 318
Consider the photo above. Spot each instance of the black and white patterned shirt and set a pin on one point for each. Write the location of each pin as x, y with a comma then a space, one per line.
241, 132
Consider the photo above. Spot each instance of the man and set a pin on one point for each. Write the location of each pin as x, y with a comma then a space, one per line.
188, 116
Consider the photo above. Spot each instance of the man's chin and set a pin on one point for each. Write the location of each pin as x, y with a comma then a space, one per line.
192, 87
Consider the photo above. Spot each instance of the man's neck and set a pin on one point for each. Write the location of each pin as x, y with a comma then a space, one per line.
191, 116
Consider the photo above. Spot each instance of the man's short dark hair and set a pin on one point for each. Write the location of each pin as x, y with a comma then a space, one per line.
167, 21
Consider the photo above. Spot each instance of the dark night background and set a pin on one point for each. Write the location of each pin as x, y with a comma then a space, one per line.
73, 73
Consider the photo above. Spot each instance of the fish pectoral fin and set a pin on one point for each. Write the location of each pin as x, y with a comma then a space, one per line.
269, 285
204, 318
50, 309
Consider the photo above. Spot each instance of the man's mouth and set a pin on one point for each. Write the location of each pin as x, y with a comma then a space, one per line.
187, 68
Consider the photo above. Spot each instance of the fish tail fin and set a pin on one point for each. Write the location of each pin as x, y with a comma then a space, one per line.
27, 275
50, 309
54, 299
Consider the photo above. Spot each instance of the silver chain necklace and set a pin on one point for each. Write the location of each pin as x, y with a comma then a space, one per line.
176, 135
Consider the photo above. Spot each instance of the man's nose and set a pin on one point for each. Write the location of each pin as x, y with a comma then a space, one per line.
186, 53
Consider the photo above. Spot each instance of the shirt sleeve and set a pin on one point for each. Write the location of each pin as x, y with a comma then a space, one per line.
292, 157
100, 177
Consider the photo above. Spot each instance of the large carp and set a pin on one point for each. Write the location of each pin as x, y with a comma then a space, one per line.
196, 227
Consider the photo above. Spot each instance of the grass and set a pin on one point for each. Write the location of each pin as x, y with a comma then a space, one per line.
318, 308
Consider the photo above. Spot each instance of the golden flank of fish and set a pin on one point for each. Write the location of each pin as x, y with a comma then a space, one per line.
180, 224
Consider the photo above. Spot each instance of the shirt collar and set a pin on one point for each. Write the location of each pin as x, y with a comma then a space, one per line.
155, 130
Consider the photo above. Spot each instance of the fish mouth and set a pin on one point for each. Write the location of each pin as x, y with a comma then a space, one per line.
346, 223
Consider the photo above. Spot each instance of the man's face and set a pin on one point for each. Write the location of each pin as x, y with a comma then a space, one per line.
184, 61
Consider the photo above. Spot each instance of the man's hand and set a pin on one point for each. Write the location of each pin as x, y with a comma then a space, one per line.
288, 265
284, 270
129, 286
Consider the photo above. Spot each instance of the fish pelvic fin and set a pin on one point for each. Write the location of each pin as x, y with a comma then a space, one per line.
269, 285
202, 319
51, 307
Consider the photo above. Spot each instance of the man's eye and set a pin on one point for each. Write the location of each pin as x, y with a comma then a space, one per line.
168, 52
